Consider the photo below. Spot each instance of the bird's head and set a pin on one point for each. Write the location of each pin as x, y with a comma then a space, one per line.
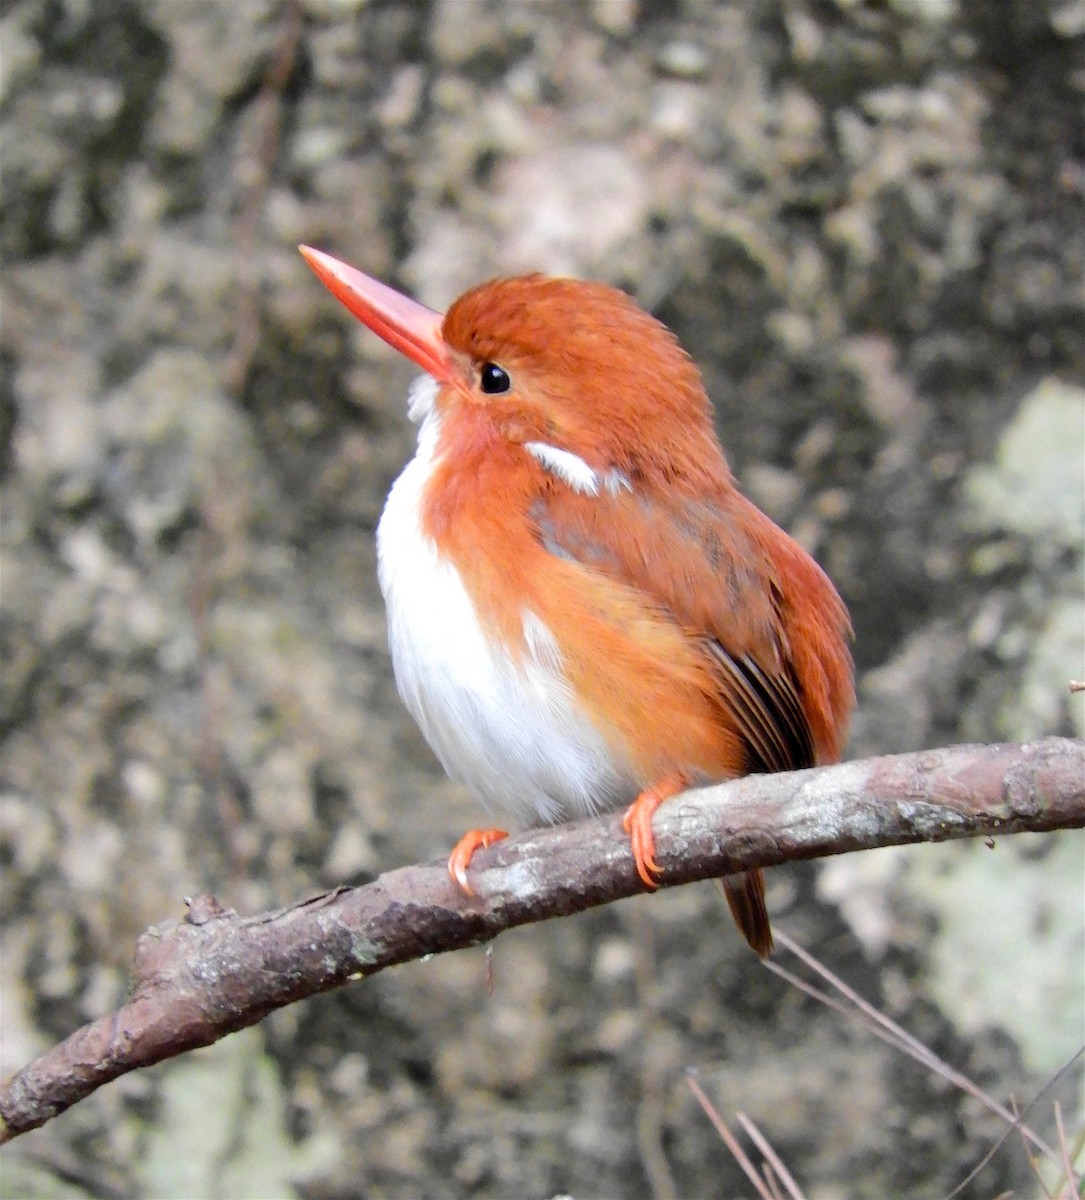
572, 367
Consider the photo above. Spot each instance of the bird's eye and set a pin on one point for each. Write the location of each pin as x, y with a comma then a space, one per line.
493, 379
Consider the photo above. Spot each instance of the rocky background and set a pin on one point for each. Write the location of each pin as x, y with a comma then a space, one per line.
864, 219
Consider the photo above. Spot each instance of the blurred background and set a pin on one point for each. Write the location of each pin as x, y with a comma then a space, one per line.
865, 220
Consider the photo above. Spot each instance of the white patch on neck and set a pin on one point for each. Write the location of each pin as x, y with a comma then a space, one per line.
567, 466
511, 729
570, 468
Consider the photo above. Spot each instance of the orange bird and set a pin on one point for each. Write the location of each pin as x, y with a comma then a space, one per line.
583, 609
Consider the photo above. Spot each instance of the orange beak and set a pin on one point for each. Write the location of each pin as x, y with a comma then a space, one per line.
410, 327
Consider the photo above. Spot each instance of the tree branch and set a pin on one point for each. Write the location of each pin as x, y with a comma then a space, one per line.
215, 972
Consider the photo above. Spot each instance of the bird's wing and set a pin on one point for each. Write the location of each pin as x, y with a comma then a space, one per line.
714, 568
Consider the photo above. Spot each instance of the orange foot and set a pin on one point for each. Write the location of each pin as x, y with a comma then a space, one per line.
460, 858
637, 822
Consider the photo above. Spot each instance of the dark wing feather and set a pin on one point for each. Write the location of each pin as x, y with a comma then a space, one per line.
773, 721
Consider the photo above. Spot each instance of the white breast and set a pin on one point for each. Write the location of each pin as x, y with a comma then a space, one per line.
512, 731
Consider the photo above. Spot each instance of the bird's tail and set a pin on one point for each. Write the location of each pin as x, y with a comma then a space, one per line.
745, 895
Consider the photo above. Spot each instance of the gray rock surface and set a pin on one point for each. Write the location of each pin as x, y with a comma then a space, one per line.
866, 221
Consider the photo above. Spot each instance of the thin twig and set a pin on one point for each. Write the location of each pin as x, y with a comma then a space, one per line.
911, 1045
1010, 1129
890, 1034
729, 1139
1070, 1175
771, 1157
1033, 1161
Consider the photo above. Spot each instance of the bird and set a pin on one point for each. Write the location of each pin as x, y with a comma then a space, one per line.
584, 610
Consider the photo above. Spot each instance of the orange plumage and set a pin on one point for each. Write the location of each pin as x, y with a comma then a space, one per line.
584, 610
